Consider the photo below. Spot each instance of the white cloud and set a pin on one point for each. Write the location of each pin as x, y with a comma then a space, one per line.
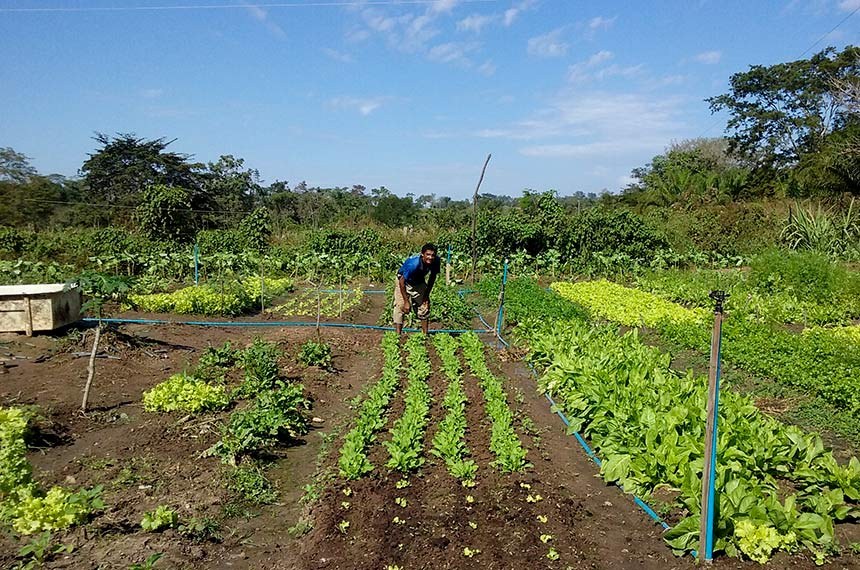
600, 22
708, 57
512, 13
849, 5
474, 23
589, 71
444, 5
337, 55
262, 16
487, 68
616, 70
452, 52
600, 57
577, 124
365, 106
550, 44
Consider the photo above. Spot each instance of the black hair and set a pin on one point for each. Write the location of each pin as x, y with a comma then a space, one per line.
428, 247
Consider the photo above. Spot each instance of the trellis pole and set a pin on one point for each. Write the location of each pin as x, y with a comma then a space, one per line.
709, 471
475, 220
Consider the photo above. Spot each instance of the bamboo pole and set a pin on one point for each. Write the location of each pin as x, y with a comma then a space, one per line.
475, 220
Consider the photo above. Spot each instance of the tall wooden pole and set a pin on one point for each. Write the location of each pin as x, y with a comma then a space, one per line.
475, 220
707, 522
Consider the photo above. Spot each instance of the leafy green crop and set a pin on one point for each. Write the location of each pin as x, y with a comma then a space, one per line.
646, 420
22, 504
161, 518
826, 364
353, 460
449, 442
211, 299
314, 353
407, 433
330, 304
504, 442
185, 393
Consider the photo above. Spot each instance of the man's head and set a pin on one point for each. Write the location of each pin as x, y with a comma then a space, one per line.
428, 253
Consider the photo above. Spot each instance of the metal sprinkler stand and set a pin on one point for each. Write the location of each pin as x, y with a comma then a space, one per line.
709, 471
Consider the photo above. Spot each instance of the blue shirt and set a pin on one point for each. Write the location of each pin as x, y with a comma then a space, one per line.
414, 271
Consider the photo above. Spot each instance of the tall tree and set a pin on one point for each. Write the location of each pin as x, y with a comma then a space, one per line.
123, 166
15, 166
780, 112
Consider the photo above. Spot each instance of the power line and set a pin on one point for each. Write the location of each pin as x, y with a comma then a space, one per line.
857, 9
123, 207
807, 50
332, 4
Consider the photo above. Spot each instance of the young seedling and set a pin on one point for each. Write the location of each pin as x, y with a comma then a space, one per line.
552, 554
470, 499
544, 538
534, 498
473, 524
342, 526
542, 519
400, 501
347, 491
398, 520
468, 552
402, 484
344, 505
525, 486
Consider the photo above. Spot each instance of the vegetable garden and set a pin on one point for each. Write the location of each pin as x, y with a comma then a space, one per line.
282, 443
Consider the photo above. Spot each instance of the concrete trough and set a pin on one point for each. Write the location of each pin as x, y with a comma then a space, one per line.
41, 307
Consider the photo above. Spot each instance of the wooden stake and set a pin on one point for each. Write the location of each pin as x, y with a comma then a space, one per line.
91, 369
475, 220
28, 316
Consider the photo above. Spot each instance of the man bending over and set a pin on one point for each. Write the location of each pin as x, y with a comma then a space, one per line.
412, 292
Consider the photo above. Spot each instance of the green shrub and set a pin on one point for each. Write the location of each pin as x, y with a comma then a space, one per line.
315, 354
249, 482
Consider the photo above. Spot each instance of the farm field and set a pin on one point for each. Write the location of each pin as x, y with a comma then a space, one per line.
144, 460
463, 463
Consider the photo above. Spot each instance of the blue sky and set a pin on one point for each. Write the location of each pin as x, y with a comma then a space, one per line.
566, 95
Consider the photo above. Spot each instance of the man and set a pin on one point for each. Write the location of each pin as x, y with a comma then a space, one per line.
411, 292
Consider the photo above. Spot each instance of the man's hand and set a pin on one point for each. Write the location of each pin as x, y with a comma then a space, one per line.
426, 303
405, 308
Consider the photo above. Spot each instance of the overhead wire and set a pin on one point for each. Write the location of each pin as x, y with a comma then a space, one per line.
167, 7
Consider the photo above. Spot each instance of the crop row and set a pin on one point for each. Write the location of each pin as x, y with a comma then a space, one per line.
407, 433
233, 298
24, 505
449, 443
504, 442
824, 364
778, 488
353, 460
330, 304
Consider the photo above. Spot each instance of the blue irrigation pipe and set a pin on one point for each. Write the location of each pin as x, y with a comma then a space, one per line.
270, 324
501, 316
709, 536
196, 264
593, 456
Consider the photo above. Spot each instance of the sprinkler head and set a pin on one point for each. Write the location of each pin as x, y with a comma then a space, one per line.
719, 298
